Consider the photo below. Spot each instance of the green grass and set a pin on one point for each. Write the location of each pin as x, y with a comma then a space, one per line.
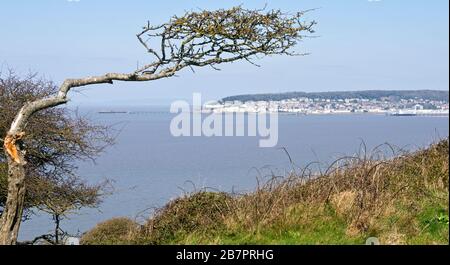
325, 228
433, 221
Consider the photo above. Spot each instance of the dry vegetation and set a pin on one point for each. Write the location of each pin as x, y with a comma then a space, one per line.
402, 200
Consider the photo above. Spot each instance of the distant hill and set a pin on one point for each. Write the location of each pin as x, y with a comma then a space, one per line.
439, 95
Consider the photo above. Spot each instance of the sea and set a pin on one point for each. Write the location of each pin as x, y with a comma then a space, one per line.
148, 166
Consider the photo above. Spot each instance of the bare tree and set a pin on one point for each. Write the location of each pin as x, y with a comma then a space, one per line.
67, 197
196, 39
55, 139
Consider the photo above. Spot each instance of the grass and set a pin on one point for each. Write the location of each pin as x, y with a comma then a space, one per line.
324, 228
400, 200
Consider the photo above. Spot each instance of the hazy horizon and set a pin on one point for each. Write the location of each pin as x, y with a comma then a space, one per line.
150, 102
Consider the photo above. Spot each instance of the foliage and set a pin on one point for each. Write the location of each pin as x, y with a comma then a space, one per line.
201, 211
112, 232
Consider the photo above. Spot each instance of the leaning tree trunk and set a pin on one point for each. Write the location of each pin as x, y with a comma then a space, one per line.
12, 212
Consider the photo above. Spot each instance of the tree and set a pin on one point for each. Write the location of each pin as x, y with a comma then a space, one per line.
196, 39
56, 138
58, 197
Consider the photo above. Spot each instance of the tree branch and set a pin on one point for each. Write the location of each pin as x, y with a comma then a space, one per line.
199, 39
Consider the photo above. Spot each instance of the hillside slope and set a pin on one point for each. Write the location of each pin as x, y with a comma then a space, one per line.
403, 200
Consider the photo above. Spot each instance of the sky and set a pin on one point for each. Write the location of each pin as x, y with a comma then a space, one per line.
360, 45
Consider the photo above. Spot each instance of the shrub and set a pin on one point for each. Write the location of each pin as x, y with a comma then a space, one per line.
116, 231
200, 212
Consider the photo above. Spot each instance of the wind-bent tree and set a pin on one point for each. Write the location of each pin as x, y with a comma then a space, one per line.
196, 39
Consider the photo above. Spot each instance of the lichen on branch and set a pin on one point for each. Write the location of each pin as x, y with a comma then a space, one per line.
208, 38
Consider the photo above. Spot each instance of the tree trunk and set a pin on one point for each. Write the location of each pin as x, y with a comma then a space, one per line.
12, 213
57, 221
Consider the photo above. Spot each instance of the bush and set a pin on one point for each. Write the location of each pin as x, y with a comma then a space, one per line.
116, 231
200, 212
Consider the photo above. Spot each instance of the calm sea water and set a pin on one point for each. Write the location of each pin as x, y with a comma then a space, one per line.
148, 166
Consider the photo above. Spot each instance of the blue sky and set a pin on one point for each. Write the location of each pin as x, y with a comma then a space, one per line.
384, 44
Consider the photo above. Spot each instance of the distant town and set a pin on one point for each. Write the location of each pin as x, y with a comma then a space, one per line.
332, 103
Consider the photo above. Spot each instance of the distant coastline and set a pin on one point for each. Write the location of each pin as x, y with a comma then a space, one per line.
388, 102
434, 95
378, 102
